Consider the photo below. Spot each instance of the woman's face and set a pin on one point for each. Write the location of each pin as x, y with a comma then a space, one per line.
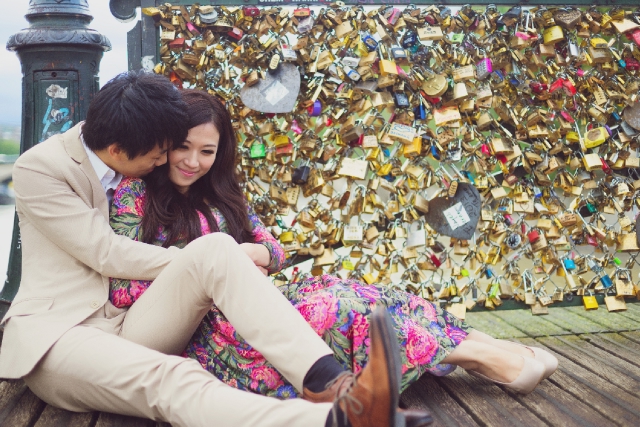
194, 157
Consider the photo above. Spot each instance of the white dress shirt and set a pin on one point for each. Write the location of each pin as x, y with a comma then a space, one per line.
107, 176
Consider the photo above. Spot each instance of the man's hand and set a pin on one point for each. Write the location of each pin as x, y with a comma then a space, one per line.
259, 254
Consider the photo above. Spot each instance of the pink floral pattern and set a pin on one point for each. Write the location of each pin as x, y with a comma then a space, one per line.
336, 309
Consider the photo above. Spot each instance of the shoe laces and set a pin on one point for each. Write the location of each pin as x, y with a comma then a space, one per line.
351, 404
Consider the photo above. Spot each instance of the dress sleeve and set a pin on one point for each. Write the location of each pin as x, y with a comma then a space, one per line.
125, 219
264, 237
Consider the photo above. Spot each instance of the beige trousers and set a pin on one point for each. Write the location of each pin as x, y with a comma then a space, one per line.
124, 361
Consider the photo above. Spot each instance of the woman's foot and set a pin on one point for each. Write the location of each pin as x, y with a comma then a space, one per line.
528, 378
547, 359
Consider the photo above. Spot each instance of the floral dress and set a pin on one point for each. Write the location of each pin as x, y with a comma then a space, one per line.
337, 309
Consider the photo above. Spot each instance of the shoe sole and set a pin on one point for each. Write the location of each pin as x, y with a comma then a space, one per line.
381, 319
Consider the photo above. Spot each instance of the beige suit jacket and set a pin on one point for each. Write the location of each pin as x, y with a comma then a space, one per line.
68, 250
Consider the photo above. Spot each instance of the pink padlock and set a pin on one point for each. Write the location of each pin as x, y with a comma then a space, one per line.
295, 128
484, 148
192, 29
483, 68
567, 116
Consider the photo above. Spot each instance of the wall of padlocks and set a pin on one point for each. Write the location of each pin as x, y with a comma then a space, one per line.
472, 156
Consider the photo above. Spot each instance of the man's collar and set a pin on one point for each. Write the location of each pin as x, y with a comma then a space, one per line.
102, 170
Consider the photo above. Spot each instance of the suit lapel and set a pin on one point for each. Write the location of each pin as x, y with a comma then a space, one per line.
75, 149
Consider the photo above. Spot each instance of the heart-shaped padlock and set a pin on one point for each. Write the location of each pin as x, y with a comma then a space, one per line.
276, 93
455, 216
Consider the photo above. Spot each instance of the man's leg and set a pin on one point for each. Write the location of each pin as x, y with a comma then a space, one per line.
214, 269
88, 369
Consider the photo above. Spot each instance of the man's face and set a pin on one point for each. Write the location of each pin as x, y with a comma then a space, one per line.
141, 165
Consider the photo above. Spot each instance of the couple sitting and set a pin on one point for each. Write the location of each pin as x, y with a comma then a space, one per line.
101, 315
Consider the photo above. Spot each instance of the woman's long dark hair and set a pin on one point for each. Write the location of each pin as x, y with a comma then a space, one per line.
177, 213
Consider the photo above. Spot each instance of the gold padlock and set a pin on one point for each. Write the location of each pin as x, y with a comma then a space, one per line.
553, 35
287, 237
592, 161
590, 302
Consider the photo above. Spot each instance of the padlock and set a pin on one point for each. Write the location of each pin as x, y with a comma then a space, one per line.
300, 174
553, 35
301, 12
540, 243
251, 11
533, 236
258, 151
595, 137
484, 68
590, 302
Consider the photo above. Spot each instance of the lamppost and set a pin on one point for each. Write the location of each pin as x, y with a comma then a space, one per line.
60, 59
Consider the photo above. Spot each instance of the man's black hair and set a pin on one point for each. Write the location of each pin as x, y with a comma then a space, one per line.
138, 111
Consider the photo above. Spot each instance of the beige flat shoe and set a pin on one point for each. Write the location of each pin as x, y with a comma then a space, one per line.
530, 376
547, 359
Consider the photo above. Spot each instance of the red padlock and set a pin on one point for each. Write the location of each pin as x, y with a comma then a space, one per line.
537, 87
250, 10
556, 85
434, 259
533, 236
285, 150
357, 142
235, 33
569, 88
635, 36
301, 12
632, 63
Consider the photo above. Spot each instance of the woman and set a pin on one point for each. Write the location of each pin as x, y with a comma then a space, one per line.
197, 192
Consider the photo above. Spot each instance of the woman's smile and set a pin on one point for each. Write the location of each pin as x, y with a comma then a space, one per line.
187, 173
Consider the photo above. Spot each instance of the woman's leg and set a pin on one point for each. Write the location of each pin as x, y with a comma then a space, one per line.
486, 359
478, 336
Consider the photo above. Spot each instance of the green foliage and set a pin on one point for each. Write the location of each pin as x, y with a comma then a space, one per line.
9, 147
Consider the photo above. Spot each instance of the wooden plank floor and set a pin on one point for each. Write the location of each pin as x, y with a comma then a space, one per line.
597, 383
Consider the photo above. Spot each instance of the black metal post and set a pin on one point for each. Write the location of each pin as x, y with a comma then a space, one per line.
60, 59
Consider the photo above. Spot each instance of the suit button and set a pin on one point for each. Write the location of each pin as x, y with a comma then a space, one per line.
95, 304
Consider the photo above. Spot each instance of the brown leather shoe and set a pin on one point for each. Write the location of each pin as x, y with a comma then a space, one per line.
371, 400
333, 389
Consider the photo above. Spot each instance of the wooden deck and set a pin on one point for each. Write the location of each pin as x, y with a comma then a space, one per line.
597, 383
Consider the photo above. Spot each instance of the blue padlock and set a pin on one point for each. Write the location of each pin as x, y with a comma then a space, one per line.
434, 153
569, 264
369, 42
606, 281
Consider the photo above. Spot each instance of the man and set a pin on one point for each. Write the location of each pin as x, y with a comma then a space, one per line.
77, 351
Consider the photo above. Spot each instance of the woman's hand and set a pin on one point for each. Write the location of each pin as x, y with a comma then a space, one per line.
259, 254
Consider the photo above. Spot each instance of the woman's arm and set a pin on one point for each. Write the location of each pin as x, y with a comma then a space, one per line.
125, 219
263, 237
